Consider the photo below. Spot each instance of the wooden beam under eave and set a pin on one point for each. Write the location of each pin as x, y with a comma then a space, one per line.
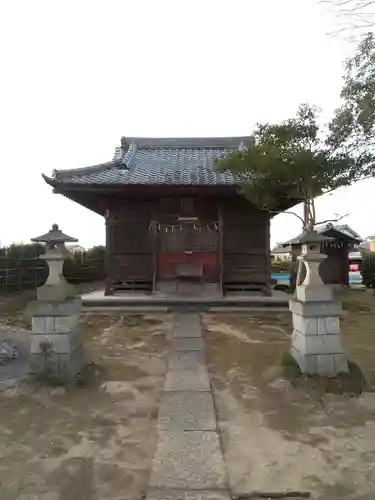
97, 204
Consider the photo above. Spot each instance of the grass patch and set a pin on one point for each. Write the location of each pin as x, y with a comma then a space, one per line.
290, 366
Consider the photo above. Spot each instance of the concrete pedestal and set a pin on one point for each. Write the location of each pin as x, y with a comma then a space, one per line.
56, 349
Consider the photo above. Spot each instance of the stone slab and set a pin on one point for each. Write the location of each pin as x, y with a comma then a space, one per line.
325, 365
188, 344
186, 495
188, 460
62, 343
187, 325
187, 380
314, 293
317, 344
64, 367
316, 325
189, 411
186, 360
46, 308
54, 324
315, 309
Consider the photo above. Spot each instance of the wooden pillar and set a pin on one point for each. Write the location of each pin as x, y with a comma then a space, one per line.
345, 264
108, 278
268, 255
221, 250
155, 243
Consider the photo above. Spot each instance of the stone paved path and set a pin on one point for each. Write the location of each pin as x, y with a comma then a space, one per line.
188, 462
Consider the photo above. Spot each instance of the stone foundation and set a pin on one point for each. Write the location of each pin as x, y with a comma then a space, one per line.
56, 350
316, 340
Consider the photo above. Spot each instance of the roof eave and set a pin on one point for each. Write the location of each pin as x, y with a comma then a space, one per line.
51, 181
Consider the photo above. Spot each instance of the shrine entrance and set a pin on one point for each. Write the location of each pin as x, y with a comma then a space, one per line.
188, 253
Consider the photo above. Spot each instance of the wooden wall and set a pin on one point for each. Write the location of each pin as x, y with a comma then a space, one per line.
246, 244
234, 247
129, 246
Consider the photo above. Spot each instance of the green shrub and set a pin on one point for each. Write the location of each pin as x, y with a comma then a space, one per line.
284, 266
85, 266
368, 269
21, 267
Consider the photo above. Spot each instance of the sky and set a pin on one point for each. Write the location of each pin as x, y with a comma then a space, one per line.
77, 75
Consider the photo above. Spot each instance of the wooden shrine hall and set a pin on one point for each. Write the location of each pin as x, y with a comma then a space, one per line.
172, 217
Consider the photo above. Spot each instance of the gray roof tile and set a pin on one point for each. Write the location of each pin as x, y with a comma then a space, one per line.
186, 161
342, 229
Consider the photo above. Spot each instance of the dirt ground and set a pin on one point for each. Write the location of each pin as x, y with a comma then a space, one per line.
94, 442
97, 442
277, 437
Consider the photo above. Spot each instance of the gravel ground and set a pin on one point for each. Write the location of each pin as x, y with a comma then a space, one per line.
277, 437
90, 442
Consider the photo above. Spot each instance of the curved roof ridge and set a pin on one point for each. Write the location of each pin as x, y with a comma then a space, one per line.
170, 161
129, 155
116, 161
186, 142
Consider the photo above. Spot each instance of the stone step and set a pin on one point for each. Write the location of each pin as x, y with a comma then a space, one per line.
187, 411
187, 325
157, 494
187, 344
165, 309
187, 380
181, 304
188, 460
186, 360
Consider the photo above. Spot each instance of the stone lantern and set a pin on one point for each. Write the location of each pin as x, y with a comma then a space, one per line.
316, 341
56, 350
56, 287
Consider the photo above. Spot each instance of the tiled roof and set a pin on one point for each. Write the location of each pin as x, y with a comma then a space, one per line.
281, 248
185, 161
340, 228
325, 229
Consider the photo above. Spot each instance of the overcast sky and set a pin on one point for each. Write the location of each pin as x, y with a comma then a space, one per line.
77, 75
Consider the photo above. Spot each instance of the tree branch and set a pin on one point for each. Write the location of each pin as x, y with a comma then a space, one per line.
287, 212
332, 220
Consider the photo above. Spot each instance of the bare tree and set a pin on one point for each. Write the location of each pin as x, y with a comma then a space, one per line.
353, 18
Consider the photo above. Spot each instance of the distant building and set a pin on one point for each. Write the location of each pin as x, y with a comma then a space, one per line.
73, 248
281, 253
334, 269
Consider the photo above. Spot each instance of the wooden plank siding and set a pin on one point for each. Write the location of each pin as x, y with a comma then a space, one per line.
145, 241
129, 244
245, 245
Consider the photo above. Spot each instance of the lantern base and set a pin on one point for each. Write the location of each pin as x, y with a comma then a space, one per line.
54, 293
56, 351
314, 293
316, 340
60, 368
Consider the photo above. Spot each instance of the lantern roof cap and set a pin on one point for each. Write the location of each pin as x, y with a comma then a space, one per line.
310, 237
54, 235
